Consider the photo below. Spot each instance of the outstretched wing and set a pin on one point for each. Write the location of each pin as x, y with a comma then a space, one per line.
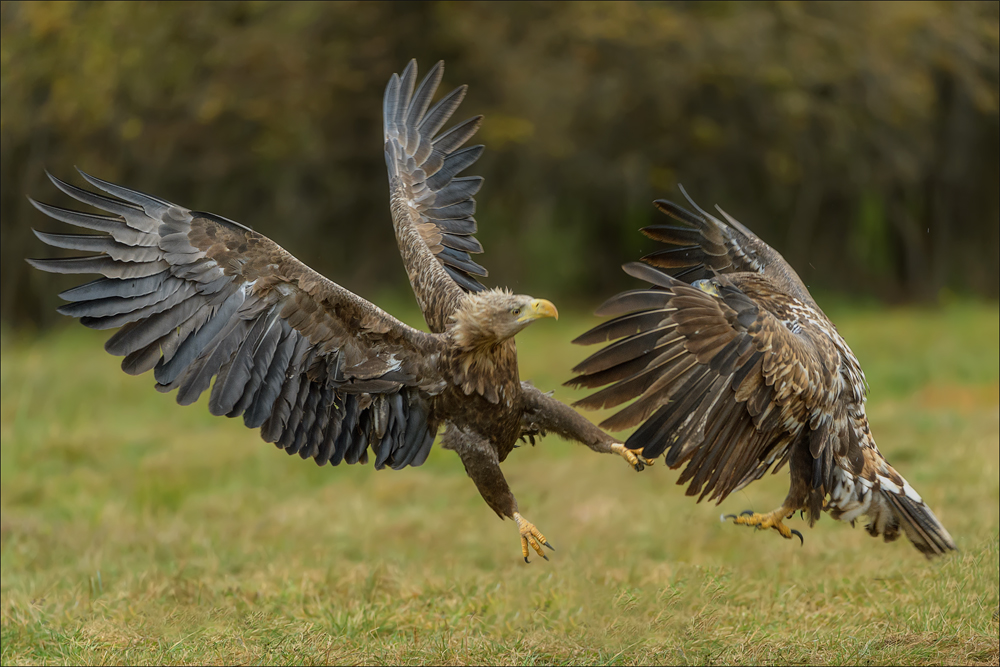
704, 246
322, 372
432, 208
719, 382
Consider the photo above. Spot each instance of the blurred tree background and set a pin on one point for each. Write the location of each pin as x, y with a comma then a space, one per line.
861, 140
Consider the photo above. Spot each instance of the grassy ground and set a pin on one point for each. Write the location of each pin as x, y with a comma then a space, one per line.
137, 531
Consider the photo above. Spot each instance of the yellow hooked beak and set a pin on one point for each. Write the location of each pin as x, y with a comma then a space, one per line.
539, 308
707, 286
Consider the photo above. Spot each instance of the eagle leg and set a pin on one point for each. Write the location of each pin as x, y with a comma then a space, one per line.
482, 464
544, 413
633, 457
770, 520
531, 536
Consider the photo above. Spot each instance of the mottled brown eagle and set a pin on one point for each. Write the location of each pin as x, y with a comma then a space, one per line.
322, 372
735, 369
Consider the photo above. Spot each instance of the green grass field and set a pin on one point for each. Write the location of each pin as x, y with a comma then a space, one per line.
137, 531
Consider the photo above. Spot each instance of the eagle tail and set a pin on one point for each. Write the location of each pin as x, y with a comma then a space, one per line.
920, 525
902, 507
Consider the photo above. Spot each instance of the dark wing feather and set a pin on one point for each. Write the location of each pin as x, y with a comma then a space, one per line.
199, 297
705, 246
715, 379
432, 209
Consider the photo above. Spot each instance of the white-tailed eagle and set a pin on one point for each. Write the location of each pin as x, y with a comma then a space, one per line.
320, 371
733, 369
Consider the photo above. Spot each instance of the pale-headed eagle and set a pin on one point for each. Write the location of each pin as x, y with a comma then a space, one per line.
735, 369
322, 372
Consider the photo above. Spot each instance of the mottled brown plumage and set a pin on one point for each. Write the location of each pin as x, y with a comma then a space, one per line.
732, 368
322, 372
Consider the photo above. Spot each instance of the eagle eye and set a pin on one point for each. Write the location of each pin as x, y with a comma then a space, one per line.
515, 312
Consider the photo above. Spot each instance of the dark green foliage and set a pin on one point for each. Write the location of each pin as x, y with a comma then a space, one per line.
859, 140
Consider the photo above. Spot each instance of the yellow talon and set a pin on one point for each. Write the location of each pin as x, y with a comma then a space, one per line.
530, 535
633, 457
764, 521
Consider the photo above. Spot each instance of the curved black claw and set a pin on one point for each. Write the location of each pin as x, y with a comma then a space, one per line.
549, 546
641, 464
802, 541
746, 513
633, 457
526, 560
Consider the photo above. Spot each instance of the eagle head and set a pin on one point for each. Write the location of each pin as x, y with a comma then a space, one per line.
490, 317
